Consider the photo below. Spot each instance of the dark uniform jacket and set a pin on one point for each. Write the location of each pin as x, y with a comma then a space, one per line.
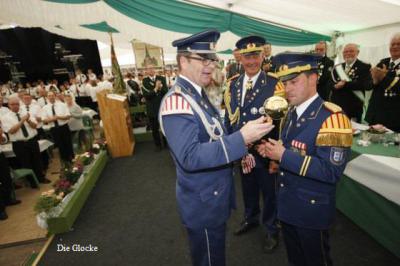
236, 116
325, 65
204, 186
153, 99
345, 97
317, 150
384, 105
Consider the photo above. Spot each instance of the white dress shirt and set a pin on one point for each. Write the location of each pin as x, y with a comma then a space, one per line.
34, 110
300, 109
60, 109
11, 119
197, 87
246, 78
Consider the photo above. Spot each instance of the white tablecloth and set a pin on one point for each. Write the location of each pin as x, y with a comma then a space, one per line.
379, 173
44, 144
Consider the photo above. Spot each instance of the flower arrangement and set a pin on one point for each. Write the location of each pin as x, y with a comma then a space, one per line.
73, 172
98, 145
84, 159
48, 200
62, 186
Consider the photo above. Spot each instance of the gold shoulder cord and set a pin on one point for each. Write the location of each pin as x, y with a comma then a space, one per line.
233, 117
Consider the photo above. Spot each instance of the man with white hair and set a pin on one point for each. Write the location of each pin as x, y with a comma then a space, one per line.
350, 94
385, 100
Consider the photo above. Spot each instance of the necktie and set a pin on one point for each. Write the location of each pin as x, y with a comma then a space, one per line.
238, 68
391, 66
23, 128
249, 87
44, 98
27, 108
54, 113
293, 120
347, 69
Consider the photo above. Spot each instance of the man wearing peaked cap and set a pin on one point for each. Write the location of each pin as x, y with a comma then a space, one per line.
244, 100
313, 152
202, 149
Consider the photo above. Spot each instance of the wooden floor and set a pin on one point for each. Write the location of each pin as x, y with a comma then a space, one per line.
21, 224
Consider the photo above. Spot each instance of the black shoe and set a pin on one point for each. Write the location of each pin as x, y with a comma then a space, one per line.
45, 181
12, 202
3, 215
245, 227
271, 242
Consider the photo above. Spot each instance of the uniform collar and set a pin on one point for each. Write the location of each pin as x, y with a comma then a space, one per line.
396, 62
303, 106
254, 78
197, 87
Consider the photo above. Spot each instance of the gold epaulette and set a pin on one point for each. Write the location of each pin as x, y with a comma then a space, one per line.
272, 75
332, 107
335, 131
279, 89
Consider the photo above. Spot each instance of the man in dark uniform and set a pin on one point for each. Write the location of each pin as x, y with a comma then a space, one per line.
267, 64
325, 65
244, 100
154, 88
313, 152
202, 150
350, 94
384, 105
236, 67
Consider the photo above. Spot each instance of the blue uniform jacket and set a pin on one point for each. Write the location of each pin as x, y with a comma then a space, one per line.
266, 86
317, 150
204, 187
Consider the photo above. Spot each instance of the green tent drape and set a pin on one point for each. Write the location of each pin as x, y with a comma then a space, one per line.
177, 16
101, 26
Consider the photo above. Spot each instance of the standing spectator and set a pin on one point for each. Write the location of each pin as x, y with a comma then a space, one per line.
154, 88
325, 65
267, 64
75, 123
21, 129
384, 105
350, 94
56, 115
236, 67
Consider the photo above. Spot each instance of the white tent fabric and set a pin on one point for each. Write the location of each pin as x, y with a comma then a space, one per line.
325, 17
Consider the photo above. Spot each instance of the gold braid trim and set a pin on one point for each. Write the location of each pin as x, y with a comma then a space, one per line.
233, 117
279, 89
394, 81
335, 131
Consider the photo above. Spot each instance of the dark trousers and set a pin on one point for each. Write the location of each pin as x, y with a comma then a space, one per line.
155, 130
207, 246
62, 138
306, 247
5, 182
45, 156
28, 156
260, 180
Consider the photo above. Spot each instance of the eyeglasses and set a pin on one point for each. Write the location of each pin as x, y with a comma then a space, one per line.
204, 61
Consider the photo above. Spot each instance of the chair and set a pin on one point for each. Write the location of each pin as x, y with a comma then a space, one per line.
17, 174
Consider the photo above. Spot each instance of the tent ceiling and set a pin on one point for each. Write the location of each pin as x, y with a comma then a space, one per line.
322, 16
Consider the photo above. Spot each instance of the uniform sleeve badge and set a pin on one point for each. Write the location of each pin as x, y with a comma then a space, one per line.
175, 104
337, 156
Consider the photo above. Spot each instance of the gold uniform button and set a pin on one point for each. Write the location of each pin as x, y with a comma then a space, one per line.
312, 201
244, 123
244, 114
215, 193
281, 173
282, 185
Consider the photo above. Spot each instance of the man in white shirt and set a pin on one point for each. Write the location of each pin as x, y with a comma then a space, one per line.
56, 115
21, 129
3, 110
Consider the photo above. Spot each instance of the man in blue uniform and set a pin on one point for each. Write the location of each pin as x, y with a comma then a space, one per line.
313, 153
244, 102
202, 149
